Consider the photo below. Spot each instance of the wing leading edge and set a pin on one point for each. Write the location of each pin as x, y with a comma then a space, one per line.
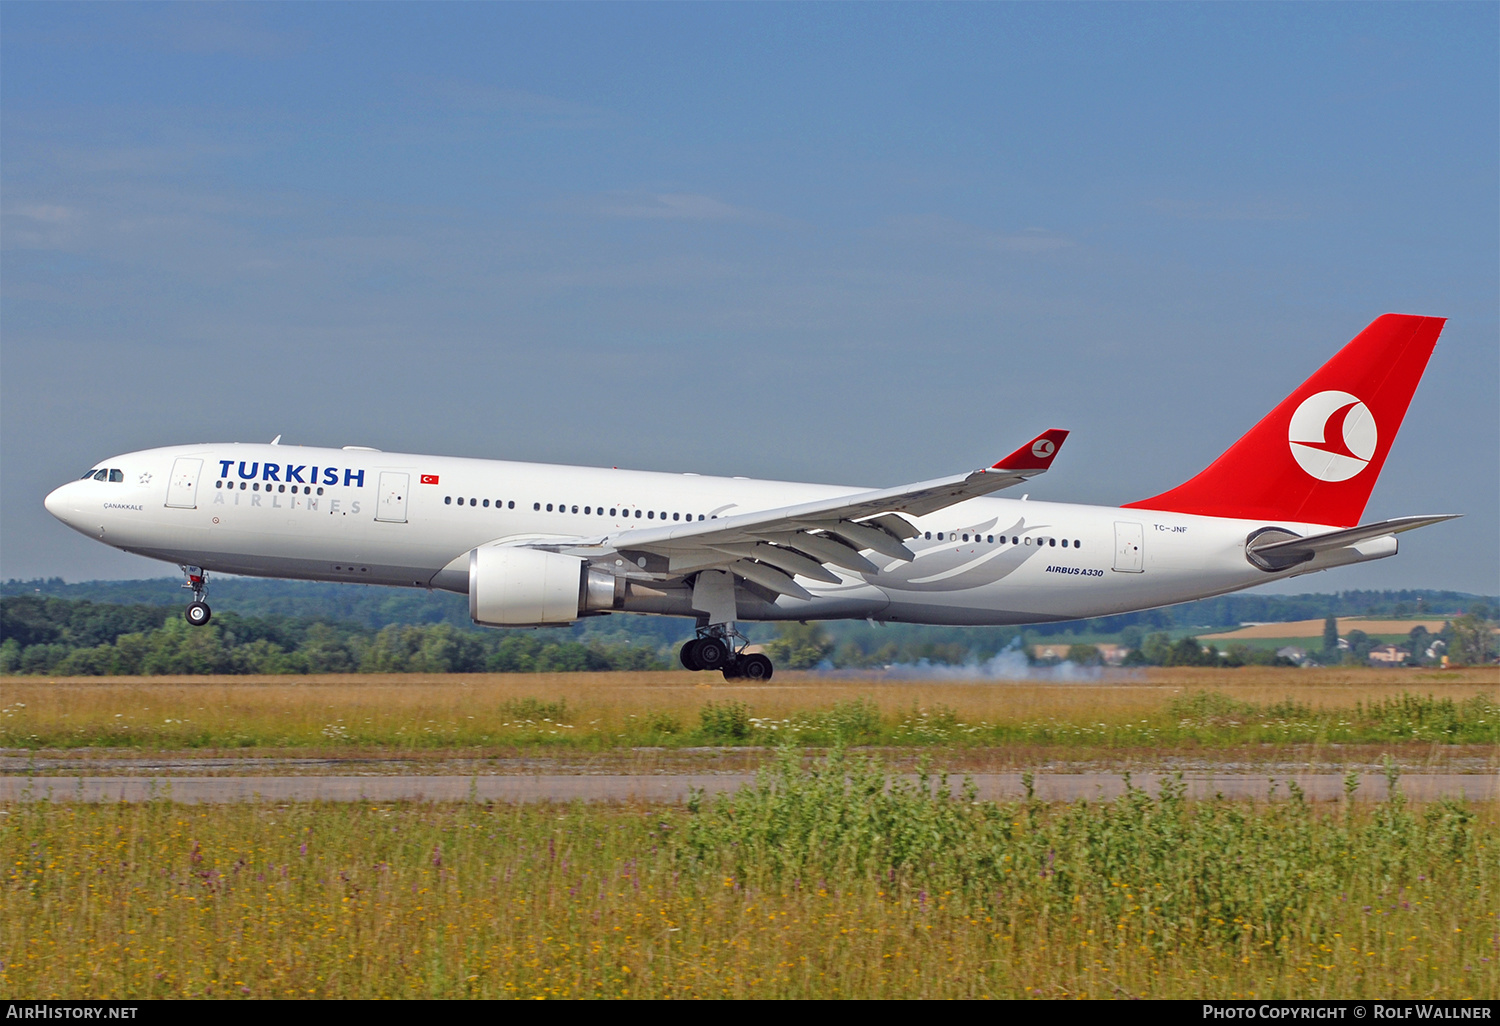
771, 547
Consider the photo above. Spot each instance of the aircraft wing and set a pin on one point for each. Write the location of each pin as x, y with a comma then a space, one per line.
771, 547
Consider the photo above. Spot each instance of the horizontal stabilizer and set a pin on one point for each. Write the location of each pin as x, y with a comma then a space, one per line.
1272, 549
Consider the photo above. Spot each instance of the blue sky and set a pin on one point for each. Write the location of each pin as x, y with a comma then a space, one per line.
853, 243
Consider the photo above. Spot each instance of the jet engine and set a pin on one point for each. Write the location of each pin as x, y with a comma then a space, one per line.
512, 587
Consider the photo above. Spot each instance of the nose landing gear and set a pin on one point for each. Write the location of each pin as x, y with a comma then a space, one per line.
197, 613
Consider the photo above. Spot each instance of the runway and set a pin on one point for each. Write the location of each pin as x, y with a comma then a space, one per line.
1319, 787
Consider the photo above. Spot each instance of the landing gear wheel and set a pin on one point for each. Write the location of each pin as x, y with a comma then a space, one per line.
688, 656
753, 667
197, 614
710, 653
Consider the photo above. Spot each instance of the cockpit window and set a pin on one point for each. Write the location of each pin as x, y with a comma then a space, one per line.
117, 476
87, 474
101, 475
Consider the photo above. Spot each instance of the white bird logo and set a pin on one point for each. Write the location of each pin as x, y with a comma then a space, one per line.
1332, 435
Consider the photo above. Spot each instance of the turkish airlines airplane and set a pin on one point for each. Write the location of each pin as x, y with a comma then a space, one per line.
535, 544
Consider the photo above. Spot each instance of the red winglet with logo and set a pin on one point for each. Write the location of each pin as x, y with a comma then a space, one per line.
1314, 459
1036, 454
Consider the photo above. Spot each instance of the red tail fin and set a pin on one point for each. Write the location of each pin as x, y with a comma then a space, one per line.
1314, 458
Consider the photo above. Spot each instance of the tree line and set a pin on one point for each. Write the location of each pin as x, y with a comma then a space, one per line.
375, 607
40, 634
78, 638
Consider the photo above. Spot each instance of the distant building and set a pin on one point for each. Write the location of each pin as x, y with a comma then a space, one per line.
1042, 653
1295, 654
1388, 655
1112, 654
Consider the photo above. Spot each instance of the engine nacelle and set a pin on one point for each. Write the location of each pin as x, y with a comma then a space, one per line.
512, 587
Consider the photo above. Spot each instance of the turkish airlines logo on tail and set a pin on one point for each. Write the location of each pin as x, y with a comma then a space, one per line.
1332, 435
1042, 448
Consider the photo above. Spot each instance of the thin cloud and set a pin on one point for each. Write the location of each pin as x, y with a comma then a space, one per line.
935, 229
210, 29
675, 206
41, 225
468, 96
1238, 210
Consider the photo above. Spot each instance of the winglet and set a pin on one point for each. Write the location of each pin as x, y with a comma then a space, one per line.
1036, 454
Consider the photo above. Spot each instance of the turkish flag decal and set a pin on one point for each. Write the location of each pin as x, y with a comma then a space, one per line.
429, 478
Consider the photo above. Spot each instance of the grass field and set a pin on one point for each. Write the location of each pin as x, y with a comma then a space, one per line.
1156, 709
827, 882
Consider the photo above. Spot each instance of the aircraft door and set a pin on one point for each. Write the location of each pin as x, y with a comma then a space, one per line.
393, 494
1129, 542
182, 489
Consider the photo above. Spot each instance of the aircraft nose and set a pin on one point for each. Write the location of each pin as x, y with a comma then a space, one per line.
57, 503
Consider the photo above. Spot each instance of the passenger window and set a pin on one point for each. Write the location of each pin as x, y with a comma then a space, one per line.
512, 504
218, 484
674, 516
940, 536
1052, 542
281, 488
575, 509
929, 536
587, 509
638, 514
447, 500
650, 514
1028, 539
117, 476
612, 511
473, 502
1077, 544
320, 491
991, 539
486, 503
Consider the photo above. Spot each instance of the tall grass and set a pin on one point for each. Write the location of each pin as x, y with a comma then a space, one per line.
831, 881
580, 713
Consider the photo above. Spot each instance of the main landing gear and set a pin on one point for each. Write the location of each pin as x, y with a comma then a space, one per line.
721, 647
197, 613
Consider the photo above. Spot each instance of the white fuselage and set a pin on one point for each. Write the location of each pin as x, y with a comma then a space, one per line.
366, 516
